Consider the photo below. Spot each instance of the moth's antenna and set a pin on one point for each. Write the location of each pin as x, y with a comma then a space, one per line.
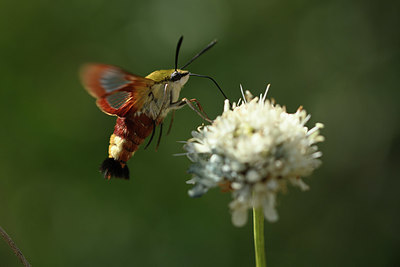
208, 77
200, 53
178, 47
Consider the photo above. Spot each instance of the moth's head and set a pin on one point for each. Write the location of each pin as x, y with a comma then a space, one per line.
179, 76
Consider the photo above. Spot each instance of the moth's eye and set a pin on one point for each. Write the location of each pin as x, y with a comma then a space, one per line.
175, 76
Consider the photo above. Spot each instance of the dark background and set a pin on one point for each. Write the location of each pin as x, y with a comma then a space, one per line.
339, 59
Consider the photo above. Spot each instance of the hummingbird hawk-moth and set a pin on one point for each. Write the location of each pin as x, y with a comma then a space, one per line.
140, 104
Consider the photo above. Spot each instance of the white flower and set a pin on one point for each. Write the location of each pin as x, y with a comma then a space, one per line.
253, 150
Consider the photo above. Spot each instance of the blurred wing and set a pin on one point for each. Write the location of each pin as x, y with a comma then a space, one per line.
116, 90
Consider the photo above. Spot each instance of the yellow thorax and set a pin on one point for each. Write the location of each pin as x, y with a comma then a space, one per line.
161, 75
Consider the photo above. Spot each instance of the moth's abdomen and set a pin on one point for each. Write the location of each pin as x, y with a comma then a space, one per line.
129, 134
121, 149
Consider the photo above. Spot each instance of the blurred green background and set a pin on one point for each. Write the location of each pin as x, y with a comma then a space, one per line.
339, 59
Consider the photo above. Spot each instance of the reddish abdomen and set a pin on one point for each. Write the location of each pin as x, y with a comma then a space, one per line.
129, 134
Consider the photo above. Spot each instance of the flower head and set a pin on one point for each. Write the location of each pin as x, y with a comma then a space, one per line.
254, 149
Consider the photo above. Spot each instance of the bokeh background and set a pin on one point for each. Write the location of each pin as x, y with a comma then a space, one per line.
339, 59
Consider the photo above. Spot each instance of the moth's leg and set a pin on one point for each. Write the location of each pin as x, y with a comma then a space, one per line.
159, 137
170, 123
200, 108
156, 119
185, 101
151, 95
152, 135
177, 105
163, 101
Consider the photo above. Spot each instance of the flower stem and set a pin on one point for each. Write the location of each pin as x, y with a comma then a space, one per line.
14, 247
258, 228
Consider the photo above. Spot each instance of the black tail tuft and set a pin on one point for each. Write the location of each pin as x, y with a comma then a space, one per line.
114, 168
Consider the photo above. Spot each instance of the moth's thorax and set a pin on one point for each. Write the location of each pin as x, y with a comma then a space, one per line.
163, 75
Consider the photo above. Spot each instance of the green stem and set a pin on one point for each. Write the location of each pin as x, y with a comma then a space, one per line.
258, 228
14, 247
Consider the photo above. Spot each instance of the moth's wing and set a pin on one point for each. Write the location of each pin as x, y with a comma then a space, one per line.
116, 90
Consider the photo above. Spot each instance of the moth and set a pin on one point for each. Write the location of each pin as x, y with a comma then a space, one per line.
140, 104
